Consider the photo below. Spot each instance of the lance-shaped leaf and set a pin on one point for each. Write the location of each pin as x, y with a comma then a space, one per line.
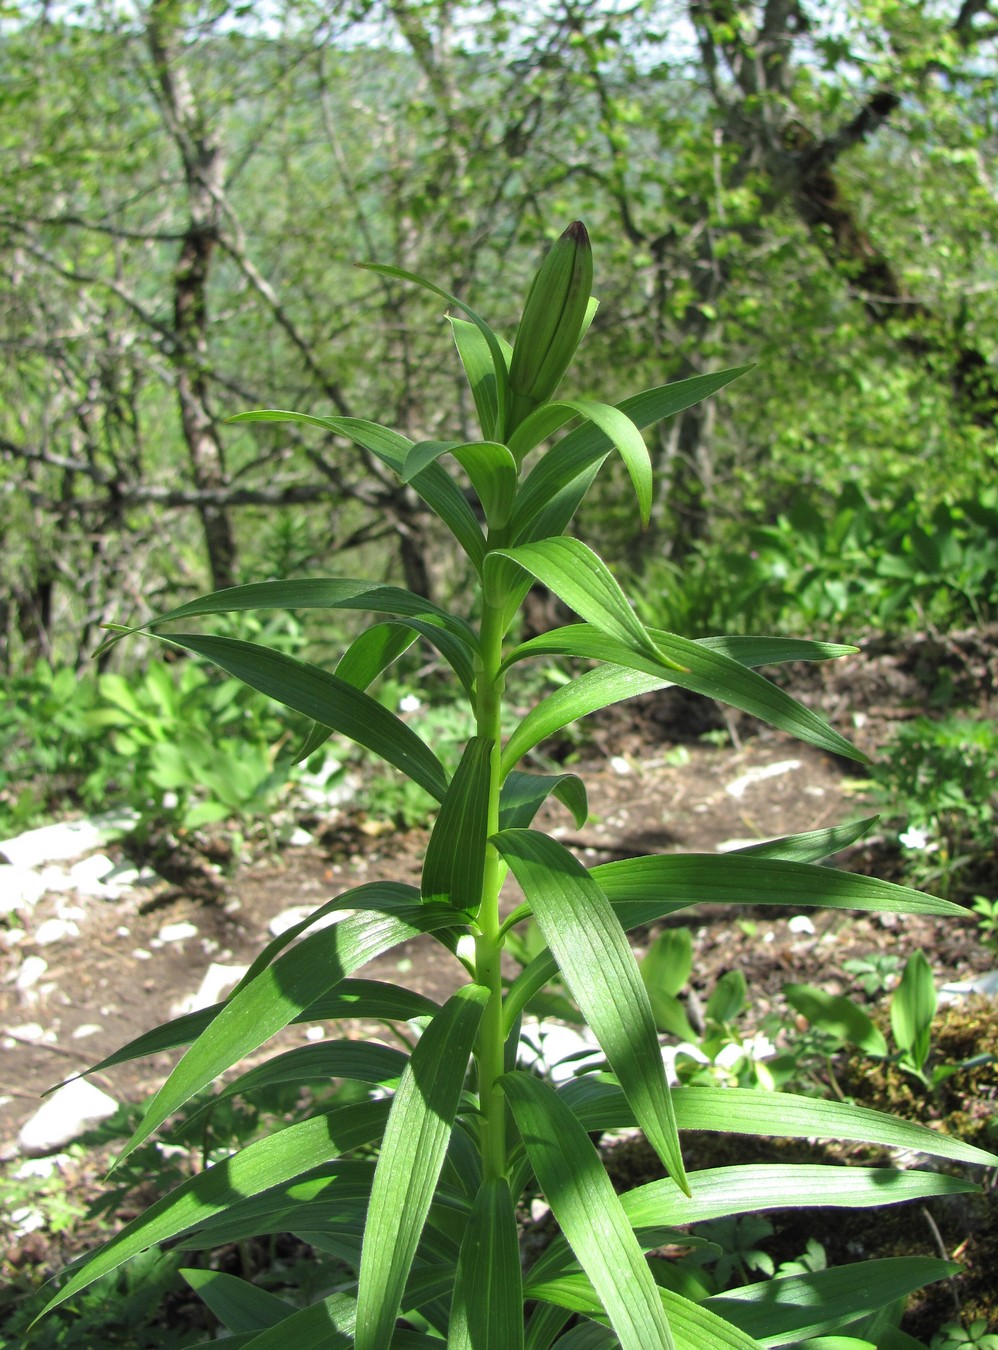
359, 1061
644, 889
723, 1191
580, 578
327, 1325
412, 1154
618, 428
454, 866
434, 484
601, 1105
262, 1164
495, 347
695, 667
571, 1174
523, 794
325, 699
350, 999
551, 494
594, 957
595, 689
238, 1305
487, 1307
372, 652
788, 1309
479, 366
489, 465
278, 994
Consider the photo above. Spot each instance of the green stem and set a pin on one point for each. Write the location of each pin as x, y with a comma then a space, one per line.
488, 943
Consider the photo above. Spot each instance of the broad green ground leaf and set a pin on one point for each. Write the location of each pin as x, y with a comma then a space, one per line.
723, 1191
412, 1155
434, 484
692, 666
581, 579
552, 492
524, 793
912, 1009
487, 1308
326, 699
454, 865
278, 994
238, 1305
786, 1310
601, 1105
836, 1015
571, 1174
593, 954
260, 1165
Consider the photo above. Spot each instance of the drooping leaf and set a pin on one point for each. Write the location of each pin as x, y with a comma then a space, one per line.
571, 1174
326, 699
580, 578
593, 954
489, 465
788, 1309
279, 993
551, 494
595, 689
523, 794
724, 1191
412, 1154
601, 1105
434, 484
618, 428
264, 1163
699, 669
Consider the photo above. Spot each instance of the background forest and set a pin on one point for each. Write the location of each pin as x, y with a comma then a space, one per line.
806, 187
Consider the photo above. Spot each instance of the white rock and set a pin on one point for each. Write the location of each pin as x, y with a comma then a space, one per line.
55, 930
287, 918
217, 982
31, 971
738, 786
800, 923
986, 984
90, 875
125, 876
300, 838
86, 1029
68, 839
140, 954
20, 888
557, 1051
71, 1110
620, 766
177, 932
30, 1031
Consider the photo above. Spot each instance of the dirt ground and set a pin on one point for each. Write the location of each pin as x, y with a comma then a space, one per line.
655, 785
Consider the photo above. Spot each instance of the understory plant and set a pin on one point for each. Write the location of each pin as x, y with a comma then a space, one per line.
419, 1187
